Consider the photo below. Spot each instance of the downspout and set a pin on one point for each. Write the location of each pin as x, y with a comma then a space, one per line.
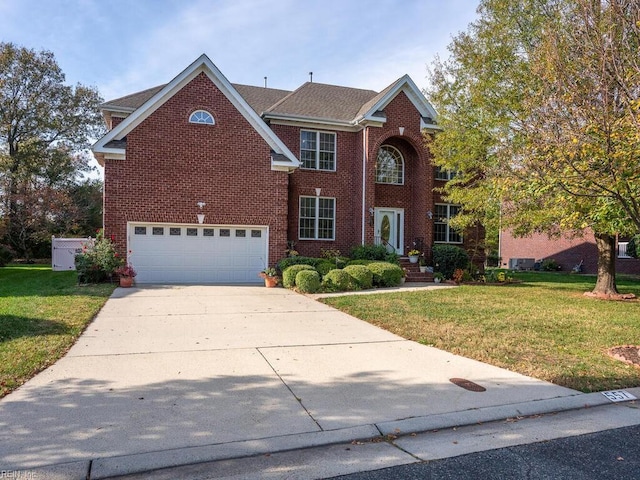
364, 181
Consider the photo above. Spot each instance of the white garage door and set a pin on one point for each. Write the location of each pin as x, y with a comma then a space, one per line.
163, 253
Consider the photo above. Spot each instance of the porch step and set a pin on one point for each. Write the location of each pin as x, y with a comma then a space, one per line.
413, 273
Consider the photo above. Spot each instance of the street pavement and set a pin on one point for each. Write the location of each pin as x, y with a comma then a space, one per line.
215, 378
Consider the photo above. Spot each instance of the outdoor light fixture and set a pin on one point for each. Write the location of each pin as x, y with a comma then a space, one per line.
200, 215
371, 212
429, 214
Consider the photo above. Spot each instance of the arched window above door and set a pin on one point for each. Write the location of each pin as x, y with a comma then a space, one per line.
389, 166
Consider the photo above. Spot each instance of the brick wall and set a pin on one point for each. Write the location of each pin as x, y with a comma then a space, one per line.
172, 164
567, 251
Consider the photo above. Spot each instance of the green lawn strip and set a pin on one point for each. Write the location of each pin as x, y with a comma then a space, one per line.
543, 327
42, 313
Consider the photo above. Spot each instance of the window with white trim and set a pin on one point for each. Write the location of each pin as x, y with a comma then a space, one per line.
203, 117
317, 218
442, 232
389, 166
318, 150
444, 174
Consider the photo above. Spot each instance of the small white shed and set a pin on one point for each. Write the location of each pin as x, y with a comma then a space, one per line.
64, 250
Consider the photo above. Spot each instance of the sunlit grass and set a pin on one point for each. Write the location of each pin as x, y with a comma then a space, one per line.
41, 315
543, 327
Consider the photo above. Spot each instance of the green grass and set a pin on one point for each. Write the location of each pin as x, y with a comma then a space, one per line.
543, 327
41, 314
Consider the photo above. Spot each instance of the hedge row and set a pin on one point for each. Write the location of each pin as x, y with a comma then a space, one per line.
323, 275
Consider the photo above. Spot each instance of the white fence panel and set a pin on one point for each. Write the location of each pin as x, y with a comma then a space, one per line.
64, 250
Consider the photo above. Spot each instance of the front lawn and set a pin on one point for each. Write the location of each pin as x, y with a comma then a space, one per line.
41, 314
543, 327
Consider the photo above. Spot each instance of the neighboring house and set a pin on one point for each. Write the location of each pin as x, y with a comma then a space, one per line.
208, 181
567, 251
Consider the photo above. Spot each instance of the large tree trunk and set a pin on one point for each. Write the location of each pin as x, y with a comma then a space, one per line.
606, 282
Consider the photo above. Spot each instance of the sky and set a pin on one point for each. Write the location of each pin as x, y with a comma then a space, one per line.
124, 46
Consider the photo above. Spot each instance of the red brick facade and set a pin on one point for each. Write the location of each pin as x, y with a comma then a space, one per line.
567, 251
168, 165
172, 164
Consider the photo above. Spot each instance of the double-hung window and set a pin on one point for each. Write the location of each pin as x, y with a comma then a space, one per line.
443, 174
442, 232
317, 218
318, 150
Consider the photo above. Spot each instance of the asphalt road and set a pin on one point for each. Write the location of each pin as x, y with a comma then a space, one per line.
612, 454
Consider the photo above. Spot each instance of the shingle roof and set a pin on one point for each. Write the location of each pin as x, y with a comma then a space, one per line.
311, 100
321, 101
260, 98
133, 101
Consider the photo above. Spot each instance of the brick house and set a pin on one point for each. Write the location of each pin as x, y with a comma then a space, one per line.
567, 250
207, 181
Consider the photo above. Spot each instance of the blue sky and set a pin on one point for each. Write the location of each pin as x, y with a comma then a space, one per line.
123, 46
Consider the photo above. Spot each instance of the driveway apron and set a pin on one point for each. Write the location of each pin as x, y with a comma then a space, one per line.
165, 368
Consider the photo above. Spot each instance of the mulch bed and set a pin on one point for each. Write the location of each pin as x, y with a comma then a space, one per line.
626, 353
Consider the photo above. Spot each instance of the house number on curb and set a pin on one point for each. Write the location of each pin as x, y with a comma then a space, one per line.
619, 395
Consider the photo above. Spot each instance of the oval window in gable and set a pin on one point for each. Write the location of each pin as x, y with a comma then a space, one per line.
203, 117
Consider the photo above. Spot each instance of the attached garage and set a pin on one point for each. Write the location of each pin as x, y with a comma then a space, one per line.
166, 253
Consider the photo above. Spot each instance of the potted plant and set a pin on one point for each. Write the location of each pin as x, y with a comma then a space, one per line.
438, 277
270, 276
414, 255
126, 273
403, 278
422, 263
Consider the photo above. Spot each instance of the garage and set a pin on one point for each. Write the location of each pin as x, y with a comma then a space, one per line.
165, 253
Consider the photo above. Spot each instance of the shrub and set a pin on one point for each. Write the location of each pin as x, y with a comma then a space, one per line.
361, 262
369, 252
97, 262
298, 260
362, 276
385, 274
6, 255
308, 281
337, 281
550, 265
289, 274
448, 258
325, 267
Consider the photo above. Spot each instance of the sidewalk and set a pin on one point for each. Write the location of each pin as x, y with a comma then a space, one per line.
170, 376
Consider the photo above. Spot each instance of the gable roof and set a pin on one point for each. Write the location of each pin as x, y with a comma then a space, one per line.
281, 158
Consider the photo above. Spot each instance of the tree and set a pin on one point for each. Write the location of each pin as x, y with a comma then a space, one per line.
540, 108
44, 125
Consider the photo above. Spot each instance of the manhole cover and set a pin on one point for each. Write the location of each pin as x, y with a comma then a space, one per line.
467, 384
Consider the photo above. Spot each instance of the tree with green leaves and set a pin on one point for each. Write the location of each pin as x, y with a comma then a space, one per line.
540, 109
45, 126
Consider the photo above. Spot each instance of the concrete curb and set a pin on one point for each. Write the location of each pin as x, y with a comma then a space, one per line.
107, 467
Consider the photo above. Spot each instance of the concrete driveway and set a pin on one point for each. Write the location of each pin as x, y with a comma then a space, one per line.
174, 375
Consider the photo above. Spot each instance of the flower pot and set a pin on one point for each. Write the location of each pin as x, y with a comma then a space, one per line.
126, 282
423, 268
270, 282
402, 280
436, 280
413, 258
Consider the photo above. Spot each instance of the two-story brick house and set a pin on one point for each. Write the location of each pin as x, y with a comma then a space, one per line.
207, 181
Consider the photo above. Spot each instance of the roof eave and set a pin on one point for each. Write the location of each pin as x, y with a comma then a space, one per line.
305, 119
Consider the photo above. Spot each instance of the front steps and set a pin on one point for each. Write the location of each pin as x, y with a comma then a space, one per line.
413, 273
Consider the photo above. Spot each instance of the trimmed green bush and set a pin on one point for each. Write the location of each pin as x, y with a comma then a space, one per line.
385, 274
361, 262
373, 252
337, 281
447, 258
290, 273
6, 255
297, 260
325, 267
633, 247
362, 276
308, 281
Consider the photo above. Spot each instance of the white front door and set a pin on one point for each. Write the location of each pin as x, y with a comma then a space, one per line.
389, 227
